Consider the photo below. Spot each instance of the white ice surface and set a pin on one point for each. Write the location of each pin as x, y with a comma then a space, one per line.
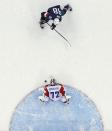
29, 55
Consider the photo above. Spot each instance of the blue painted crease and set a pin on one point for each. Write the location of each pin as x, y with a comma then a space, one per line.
80, 114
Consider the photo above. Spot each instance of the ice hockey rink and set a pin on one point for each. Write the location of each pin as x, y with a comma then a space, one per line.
29, 55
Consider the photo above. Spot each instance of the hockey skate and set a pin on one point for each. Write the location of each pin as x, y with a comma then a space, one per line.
68, 7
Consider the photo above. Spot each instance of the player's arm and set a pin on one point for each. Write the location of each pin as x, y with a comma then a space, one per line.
46, 92
62, 90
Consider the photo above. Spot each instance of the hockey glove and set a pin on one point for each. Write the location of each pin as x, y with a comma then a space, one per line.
42, 22
53, 26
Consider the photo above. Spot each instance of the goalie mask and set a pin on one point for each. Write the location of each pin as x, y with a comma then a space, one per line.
53, 82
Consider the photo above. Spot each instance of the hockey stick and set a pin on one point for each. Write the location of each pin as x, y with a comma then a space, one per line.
62, 36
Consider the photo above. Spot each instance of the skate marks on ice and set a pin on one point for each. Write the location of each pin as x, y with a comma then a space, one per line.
80, 114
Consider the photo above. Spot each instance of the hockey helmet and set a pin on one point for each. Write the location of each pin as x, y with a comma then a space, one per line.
45, 14
52, 82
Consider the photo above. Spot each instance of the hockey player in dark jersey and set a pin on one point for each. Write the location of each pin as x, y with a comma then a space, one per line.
54, 15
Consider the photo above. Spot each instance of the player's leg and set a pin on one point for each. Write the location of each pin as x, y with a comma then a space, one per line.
56, 21
65, 99
68, 97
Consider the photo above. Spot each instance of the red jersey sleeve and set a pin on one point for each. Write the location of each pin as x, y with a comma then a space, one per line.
46, 92
62, 90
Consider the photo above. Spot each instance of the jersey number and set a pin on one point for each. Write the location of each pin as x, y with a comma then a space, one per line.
55, 94
57, 11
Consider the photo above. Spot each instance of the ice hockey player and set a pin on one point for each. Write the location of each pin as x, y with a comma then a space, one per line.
54, 15
54, 91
